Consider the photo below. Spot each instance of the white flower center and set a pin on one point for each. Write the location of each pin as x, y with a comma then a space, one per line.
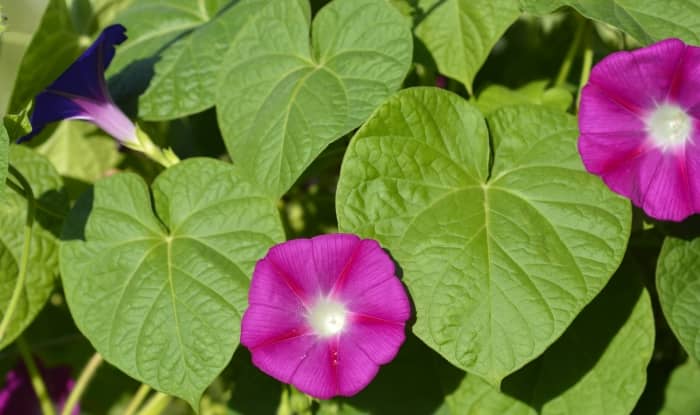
669, 126
327, 317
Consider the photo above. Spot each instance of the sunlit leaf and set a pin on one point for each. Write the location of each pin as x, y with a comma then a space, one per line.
678, 284
597, 367
499, 256
460, 34
51, 207
160, 293
646, 20
283, 98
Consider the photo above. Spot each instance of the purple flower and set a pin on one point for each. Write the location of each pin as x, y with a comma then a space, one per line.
81, 92
640, 130
17, 396
325, 313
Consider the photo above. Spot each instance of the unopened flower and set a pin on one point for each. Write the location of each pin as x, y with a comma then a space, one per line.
325, 313
639, 127
17, 395
81, 92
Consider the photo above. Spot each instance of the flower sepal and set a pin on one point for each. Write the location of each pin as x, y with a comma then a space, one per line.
166, 157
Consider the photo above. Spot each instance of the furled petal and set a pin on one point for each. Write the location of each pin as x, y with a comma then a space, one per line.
81, 93
85, 76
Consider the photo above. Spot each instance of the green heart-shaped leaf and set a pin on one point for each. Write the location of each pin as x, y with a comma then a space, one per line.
461, 33
55, 37
681, 395
678, 284
646, 20
603, 354
50, 208
154, 25
186, 74
4, 149
494, 97
499, 255
284, 99
160, 295
81, 151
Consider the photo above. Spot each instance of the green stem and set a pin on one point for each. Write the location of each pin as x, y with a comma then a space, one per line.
37, 382
25, 190
138, 398
587, 64
156, 405
565, 68
82, 383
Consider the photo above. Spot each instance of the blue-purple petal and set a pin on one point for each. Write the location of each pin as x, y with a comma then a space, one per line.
85, 77
48, 108
82, 82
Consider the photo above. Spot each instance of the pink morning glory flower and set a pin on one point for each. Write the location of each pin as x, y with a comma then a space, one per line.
640, 129
81, 92
325, 313
17, 395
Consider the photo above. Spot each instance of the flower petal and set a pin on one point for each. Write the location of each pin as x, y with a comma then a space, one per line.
331, 254
291, 263
270, 286
379, 339
50, 108
638, 80
386, 301
371, 271
355, 368
282, 359
317, 374
80, 92
264, 325
655, 181
603, 152
85, 76
599, 113
686, 81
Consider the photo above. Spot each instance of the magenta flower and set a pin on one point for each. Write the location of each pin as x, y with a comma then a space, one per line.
17, 395
81, 92
639, 126
325, 313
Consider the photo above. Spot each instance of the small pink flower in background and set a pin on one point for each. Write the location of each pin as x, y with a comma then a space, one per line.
17, 395
640, 128
325, 313
441, 82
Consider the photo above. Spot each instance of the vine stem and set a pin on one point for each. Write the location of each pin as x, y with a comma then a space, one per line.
156, 404
26, 191
82, 383
37, 382
586, 66
138, 398
565, 68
